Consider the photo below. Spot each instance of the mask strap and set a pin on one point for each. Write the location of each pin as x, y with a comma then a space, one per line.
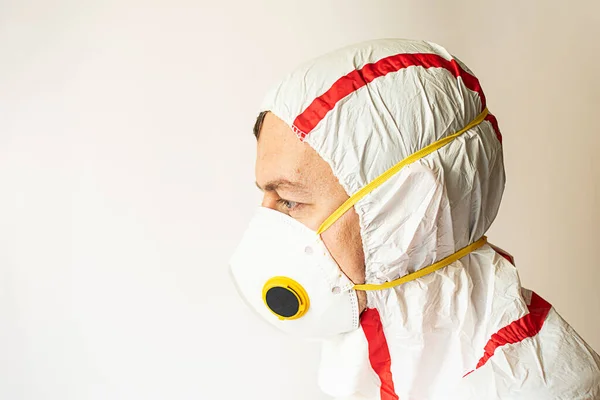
348, 204
427, 270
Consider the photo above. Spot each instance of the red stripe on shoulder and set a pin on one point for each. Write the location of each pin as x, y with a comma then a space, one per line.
519, 330
503, 253
379, 353
494, 123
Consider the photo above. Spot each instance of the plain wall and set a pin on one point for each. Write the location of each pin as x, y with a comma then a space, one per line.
126, 178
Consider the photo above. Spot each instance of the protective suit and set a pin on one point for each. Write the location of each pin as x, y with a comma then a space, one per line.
464, 331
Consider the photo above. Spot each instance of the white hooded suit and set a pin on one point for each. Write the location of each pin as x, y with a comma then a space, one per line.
468, 330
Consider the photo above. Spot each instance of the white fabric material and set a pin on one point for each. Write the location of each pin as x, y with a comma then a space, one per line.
277, 245
436, 327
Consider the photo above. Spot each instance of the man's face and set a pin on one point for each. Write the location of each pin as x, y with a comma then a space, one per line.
296, 181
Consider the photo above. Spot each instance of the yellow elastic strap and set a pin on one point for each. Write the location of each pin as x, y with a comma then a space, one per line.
427, 270
390, 172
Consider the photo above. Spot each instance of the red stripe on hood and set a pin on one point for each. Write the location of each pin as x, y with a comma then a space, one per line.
346, 85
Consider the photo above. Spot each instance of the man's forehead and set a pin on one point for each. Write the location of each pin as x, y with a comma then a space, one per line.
280, 166
285, 162
277, 138
281, 157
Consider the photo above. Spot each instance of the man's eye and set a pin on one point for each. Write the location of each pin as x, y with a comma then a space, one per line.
288, 205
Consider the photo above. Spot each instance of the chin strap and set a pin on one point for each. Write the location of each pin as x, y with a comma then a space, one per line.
427, 270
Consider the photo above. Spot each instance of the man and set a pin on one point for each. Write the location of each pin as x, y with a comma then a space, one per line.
382, 170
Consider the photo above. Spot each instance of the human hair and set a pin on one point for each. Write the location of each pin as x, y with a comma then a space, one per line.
258, 124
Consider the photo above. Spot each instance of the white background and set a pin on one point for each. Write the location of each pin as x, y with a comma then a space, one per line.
126, 178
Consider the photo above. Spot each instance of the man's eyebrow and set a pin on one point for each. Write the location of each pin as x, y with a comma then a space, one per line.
277, 183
